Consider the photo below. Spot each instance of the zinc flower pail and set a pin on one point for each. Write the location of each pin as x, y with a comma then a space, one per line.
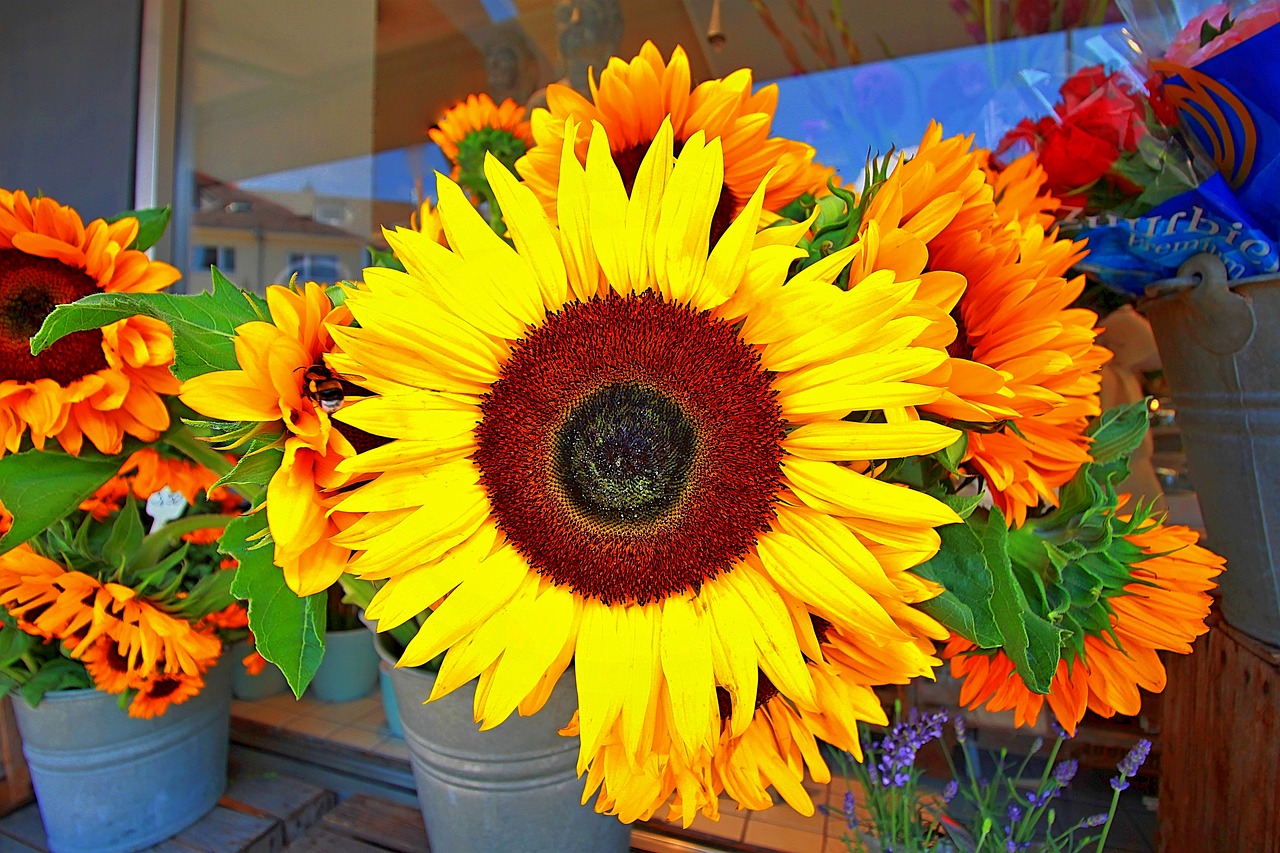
269, 682
513, 787
386, 684
109, 783
349, 669
1219, 344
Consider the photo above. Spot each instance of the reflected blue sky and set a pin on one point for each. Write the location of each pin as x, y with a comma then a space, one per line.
845, 113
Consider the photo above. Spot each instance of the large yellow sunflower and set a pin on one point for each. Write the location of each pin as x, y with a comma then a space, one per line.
286, 379
1163, 608
615, 444
1021, 354
100, 383
634, 98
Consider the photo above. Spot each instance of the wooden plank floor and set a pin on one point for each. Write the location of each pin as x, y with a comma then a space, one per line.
265, 813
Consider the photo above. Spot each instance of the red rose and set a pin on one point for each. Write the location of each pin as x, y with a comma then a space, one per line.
1081, 85
1074, 160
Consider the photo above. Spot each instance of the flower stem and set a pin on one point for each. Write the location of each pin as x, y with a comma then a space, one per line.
181, 438
156, 544
1106, 827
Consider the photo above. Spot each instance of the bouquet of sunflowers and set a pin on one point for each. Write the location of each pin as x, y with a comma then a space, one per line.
675, 408
110, 576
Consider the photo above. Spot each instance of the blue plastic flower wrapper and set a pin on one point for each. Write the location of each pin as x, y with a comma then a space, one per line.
1220, 69
1144, 192
1129, 254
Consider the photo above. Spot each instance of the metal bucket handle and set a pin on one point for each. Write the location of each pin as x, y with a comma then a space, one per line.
1222, 321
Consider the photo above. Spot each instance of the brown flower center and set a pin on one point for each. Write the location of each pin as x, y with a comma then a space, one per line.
628, 162
631, 448
30, 288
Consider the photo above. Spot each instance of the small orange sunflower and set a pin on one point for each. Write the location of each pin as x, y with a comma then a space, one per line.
285, 377
477, 125
631, 102
100, 383
157, 693
108, 668
1162, 608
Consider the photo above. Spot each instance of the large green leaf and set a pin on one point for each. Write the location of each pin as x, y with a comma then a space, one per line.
151, 224
1033, 643
289, 630
203, 324
39, 487
961, 567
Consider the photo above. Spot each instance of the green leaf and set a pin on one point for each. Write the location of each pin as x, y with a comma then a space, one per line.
203, 325
39, 487
289, 630
963, 506
1118, 431
1033, 643
381, 258
14, 643
960, 566
57, 674
151, 224
211, 594
126, 534
250, 475
951, 456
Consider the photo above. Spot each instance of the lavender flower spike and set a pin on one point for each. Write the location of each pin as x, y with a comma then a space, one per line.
1129, 765
958, 722
949, 792
1065, 772
850, 811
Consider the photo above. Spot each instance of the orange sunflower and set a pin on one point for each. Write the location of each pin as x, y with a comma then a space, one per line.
632, 100
157, 693
1020, 353
108, 668
285, 377
79, 610
99, 383
143, 474
1162, 608
477, 125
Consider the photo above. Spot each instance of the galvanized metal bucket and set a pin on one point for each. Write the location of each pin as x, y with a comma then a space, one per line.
386, 683
1220, 346
513, 787
106, 782
349, 669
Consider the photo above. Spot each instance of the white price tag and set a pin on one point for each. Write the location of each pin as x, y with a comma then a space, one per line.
164, 506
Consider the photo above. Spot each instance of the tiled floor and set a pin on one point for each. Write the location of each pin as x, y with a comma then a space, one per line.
362, 724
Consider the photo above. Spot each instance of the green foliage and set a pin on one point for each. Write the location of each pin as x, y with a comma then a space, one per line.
289, 629
380, 258
203, 324
961, 567
151, 224
41, 486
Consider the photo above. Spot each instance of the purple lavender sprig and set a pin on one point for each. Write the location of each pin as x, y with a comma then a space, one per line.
1128, 768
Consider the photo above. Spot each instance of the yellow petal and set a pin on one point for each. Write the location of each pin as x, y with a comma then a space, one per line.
535, 238
686, 664
831, 488
490, 586
837, 441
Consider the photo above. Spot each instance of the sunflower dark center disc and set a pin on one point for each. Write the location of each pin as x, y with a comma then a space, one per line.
624, 455
631, 448
30, 288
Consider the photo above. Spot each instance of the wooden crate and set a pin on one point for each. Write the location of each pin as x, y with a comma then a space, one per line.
1220, 779
15, 787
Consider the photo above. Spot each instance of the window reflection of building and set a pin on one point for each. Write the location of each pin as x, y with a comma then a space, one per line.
255, 241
